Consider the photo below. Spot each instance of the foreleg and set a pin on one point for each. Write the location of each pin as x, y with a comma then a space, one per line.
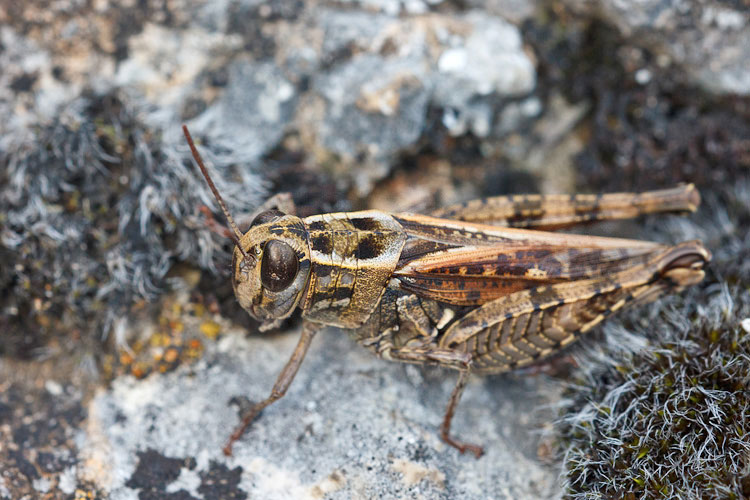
283, 382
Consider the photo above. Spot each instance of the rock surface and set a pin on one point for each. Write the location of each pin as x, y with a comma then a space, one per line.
351, 426
710, 40
122, 344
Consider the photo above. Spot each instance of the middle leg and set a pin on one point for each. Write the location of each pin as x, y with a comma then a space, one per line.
448, 358
445, 427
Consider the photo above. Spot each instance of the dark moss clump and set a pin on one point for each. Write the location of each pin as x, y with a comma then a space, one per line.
663, 133
56, 226
670, 421
95, 209
647, 129
665, 412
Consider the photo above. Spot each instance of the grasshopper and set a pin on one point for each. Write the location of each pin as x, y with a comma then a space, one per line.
480, 287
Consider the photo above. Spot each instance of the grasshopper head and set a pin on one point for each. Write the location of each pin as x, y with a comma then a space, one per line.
271, 261
271, 266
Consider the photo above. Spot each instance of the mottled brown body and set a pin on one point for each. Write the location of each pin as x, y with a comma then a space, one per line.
507, 298
353, 258
472, 287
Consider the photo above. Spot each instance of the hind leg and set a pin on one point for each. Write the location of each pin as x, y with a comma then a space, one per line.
556, 211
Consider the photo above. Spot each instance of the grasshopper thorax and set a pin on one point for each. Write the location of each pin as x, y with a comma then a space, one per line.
270, 277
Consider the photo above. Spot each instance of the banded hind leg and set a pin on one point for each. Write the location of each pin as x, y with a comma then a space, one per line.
556, 211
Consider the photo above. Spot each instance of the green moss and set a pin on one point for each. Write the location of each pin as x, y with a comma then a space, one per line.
678, 412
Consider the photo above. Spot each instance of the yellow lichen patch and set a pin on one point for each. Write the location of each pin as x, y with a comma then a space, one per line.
176, 308
137, 346
140, 370
210, 329
159, 339
84, 495
194, 350
171, 355
173, 338
176, 326
198, 310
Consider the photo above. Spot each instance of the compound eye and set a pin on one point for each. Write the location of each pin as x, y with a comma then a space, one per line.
267, 216
279, 266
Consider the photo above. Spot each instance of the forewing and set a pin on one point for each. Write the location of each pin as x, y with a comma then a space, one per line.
470, 264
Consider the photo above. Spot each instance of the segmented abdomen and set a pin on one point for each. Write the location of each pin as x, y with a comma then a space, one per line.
529, 336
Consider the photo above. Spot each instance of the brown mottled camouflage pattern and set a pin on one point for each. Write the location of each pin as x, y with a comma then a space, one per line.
353, 258
415, 288
472, 287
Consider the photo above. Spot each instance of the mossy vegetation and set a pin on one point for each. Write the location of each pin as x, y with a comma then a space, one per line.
671, 420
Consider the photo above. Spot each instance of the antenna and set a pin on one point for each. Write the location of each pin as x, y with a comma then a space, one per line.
237, 234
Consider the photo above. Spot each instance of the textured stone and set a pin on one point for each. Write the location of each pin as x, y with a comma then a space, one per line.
405, 103
710, 40
350, 426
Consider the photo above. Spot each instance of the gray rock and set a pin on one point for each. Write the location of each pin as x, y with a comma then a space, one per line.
351, 426
252, 115
386, 73
352, 30
711, 40
395, 7
515, 11
375, 76
377, 73
478, 73
375, 107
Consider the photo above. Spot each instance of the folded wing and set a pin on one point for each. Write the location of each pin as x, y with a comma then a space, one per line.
470, 264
